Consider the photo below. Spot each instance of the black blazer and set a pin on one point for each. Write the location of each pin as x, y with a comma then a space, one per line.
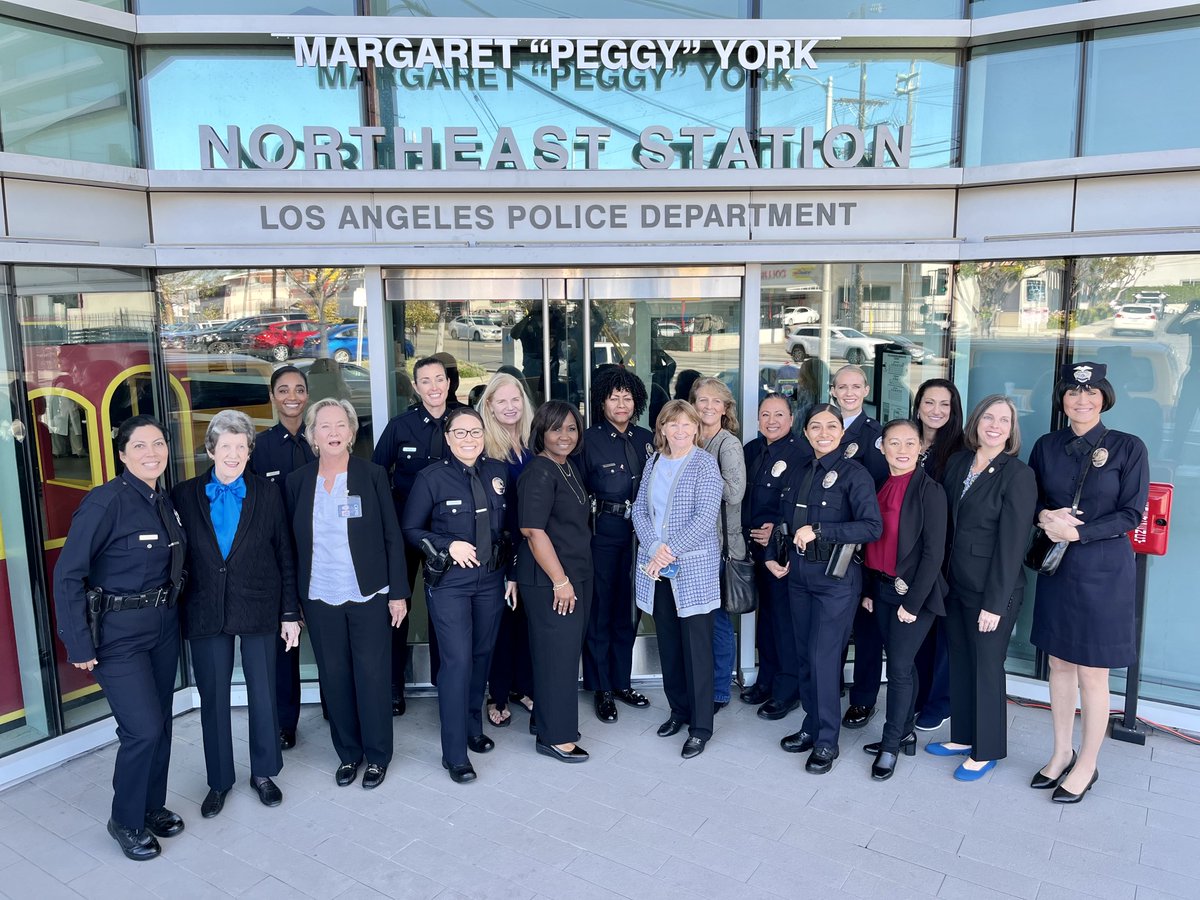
989, 530
252, 590
376, 544
921, 544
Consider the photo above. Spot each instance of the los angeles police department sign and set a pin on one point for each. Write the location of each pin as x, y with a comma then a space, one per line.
557, 63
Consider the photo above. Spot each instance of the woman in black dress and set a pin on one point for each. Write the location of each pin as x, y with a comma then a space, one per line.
1084, 617
554, 575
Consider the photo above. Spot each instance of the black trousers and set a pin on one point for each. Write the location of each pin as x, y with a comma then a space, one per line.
511, 669
902, 642
352, 646
868, 659
287, 685
685, 652
822, 613
137, 661
612, 628
978, 687
212, 663
555, 643
466, 605
775, 636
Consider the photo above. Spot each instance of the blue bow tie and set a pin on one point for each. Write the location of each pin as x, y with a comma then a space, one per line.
217, 490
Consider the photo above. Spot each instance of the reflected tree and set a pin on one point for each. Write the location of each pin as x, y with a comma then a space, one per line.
321, 289
993, 281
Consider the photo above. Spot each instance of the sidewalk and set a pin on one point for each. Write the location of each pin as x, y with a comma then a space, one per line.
741, 821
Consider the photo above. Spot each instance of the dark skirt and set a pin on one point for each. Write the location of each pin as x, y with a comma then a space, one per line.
1084, 612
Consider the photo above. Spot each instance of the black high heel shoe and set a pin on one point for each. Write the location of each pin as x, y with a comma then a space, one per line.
884, 766
908, 745
1062, 795
1042, 782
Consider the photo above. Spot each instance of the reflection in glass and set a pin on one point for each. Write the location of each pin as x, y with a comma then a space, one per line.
981, 8
66, 97
1130, 104
857, 9
1002, 126
188, 87
864, 91
246, 7
564, 9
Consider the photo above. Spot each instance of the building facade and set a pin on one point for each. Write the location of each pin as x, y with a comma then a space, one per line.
195, 191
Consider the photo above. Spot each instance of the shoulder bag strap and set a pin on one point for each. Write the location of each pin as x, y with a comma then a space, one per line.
1087, 467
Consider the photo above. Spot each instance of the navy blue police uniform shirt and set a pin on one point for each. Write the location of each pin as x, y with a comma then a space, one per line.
277, 453
441, 506
841, 498
606, 465
408, 444
865, 435
767, 469
117, 542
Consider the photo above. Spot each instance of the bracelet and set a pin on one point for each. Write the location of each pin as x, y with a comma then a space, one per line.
564, 583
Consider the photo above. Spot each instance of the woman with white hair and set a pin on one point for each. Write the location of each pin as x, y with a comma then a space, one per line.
243, 586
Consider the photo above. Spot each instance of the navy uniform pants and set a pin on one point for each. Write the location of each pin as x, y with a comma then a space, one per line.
136, 665
775, 636
868, 659
611, 628
822, 613
466, 607
212, 663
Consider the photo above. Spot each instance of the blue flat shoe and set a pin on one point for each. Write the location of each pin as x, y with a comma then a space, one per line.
962, 773
939, 748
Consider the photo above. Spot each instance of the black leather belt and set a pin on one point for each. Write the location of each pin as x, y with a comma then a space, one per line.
162, 596
817, 551
613, 509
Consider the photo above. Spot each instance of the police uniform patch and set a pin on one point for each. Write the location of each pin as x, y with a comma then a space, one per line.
851, 449
498, 485
901, 586
779, 468
1099, 457
829, 480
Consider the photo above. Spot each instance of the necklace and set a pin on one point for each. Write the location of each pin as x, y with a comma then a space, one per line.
565, 472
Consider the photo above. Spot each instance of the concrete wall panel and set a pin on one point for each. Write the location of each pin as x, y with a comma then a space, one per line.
106, 217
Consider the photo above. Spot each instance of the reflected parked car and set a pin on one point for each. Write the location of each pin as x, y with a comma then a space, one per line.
918, 353
799, 315
343, 343
845, 343
280, 340
1135, 318
475, 328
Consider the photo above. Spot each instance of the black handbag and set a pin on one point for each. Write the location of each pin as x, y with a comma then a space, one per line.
1044, 555
739, 593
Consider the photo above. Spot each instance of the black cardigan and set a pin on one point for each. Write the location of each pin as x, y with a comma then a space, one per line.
376, 544
252, 590
921, 544
989, 530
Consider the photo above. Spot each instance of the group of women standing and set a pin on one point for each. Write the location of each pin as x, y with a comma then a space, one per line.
298, 530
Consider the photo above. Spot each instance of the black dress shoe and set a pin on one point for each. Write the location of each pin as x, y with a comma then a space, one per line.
373, 775
606, 707
773, 709
267, 790
1042, 782
345, 774
800, 742
480, 743
670, 727
857, 716
908, 744
884, 766
719, 705
460, 774
693, 747
821, 760
398, 706
164, 823
1062, 795
213, 803
577, 755
630, 697
756, 694
137, 845
287, 739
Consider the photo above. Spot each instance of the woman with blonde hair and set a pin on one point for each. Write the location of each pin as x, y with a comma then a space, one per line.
507, 414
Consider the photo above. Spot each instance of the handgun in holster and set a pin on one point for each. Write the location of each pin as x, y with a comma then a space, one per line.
437, 562
95, 614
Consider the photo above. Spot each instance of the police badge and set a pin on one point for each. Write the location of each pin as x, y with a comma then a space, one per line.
498, 485
829, 480
1099, 457
779, 468
851, 449
901, 586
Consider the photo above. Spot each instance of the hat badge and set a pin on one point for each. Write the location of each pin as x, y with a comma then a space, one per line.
1083, 374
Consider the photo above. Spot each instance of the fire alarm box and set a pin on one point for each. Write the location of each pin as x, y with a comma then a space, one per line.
1151, 534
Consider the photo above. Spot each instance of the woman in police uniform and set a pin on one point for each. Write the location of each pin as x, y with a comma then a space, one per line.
1084, 617
456, 515
124, 557
829, 506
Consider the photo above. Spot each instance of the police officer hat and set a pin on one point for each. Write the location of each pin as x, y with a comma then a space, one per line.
1086, 374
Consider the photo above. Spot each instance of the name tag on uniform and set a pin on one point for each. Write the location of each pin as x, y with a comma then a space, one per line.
454, 503
408, 449
147, 537
272, 474
351, 508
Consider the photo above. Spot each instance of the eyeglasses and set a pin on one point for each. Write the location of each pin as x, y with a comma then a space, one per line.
464, 433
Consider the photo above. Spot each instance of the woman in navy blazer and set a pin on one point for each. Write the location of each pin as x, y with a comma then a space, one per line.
906, 589
351, 582
239, 550
992, 500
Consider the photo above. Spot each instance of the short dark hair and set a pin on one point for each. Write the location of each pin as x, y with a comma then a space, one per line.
428, 361
457, 413
818, 408
132, 424
287, 370
897, 423
775, 395
1103, 386
609, 378
552, 414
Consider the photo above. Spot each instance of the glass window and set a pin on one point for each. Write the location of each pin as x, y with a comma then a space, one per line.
87, 338
981, 8
246, 7
122, 5
185, 88
66, 97
564, 9
1002, 126
860, 92
856, 9
1140, 316
1130, 100
530, 97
